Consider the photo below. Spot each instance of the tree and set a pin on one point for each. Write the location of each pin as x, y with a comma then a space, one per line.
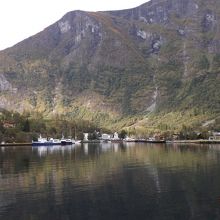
203, 63
122, 134
26, 126
2, 129
216, 62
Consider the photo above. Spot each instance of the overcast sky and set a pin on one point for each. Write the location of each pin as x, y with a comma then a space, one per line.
20, 19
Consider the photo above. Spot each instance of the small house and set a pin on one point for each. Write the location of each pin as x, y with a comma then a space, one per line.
106, 137
215, 136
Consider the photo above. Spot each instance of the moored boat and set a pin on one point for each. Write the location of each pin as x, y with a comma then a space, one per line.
45, 142
67, 141
154, 140
128, 139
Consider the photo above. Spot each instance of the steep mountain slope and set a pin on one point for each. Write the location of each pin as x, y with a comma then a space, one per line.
159, 57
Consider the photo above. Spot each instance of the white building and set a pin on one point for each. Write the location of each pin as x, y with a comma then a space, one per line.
115, 136
215, 136
106, 137
85, 138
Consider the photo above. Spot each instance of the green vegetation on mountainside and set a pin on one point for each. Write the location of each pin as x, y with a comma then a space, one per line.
152, 68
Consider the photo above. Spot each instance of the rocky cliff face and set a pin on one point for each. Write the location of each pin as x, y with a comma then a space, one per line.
160, 56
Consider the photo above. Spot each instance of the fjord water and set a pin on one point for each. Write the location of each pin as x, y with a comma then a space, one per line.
110, 181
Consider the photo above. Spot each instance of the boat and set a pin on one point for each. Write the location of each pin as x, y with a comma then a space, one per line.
154, 140
67, 141
128, 139
45, 142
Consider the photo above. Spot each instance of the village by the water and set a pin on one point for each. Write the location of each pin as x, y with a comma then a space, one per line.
97, 137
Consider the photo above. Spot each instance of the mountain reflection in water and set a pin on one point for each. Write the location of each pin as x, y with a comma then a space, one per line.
110, 181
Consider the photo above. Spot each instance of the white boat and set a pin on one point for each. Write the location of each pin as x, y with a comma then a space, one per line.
45, 142
154, 140
67, 141
128, 139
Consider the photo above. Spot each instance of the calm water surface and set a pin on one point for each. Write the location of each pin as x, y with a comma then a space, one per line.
110, 181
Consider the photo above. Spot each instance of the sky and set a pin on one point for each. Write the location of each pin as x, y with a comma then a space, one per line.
20, 19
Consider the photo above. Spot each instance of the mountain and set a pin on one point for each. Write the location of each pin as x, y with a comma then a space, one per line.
121, 68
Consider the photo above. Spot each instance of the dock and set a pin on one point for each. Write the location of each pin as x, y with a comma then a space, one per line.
15, 144
194, 142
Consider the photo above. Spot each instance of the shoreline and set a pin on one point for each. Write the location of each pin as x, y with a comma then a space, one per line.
15, 144
153, 142
194, 142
